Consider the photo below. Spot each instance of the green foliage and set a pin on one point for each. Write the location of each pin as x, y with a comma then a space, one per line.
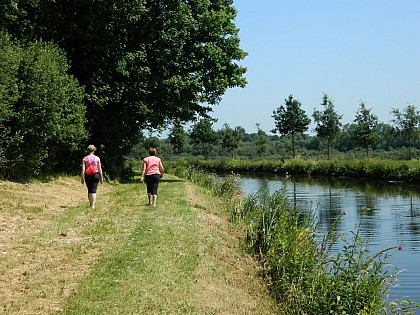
226, 186
407, 124
290, 119
252, 146
43, 106
364, 133
151, 142
178, 138
307, 276
202, 135
328, 122
9, 64
127, 175
261, 141
230, 138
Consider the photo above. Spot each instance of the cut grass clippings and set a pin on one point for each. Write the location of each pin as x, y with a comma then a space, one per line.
124, 257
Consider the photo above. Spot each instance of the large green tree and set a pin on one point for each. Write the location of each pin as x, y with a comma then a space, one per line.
290, 119
144, 63
366, 123
328, 122
407, 125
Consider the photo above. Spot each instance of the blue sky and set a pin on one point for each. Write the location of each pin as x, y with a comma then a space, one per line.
353, 50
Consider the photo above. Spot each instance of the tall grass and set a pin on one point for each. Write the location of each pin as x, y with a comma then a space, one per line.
307, 276
225, 187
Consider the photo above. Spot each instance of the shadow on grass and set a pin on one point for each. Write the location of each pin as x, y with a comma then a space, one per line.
168, 180
172, 180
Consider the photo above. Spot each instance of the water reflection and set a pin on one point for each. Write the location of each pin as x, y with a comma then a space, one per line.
388, 214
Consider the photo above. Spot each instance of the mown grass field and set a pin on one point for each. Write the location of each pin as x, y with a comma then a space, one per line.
182, 257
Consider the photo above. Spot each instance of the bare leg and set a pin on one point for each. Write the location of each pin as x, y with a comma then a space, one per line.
90, 199
92, 205
154, 197
149, 197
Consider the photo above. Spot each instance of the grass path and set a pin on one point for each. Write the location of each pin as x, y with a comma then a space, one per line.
181, 257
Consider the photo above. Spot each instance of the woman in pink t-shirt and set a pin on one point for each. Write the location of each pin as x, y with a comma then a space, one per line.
91, 173
151, 174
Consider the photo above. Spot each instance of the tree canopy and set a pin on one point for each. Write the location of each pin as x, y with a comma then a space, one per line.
203, 135
230, 138
143, 63
407, 124
364, 130
178, 138
328, 122
291, 119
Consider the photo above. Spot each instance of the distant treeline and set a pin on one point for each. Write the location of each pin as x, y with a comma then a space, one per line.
203, 141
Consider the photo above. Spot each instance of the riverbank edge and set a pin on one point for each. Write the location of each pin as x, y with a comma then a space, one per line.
372, 169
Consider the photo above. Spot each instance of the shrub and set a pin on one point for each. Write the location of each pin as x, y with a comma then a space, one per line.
45, 114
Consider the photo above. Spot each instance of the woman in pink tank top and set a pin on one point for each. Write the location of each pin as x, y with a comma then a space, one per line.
91, 173
151, 173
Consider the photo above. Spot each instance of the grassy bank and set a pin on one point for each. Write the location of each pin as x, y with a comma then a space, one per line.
182, 257
408, 171
308, 271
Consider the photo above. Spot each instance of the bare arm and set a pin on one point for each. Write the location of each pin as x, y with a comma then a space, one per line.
82, 174
161, 168
100, 170
143, 171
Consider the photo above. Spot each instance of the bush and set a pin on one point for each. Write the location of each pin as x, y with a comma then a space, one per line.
127, 174
45, 115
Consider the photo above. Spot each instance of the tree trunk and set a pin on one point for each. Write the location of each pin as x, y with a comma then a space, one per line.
328, 148
409, 147
293, 145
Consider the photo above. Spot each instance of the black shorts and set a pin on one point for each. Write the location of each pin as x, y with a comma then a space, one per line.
152, 183
92, 182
